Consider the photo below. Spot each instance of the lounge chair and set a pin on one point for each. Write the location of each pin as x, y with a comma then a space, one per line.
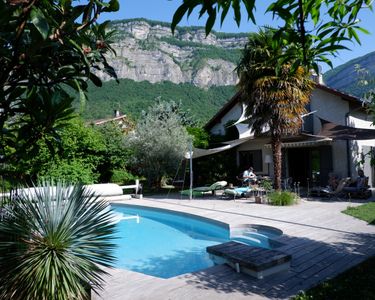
238, 192
329, 192
212, 188
339, 189
362, 192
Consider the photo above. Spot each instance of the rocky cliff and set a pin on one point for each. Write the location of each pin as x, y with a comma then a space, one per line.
147, 50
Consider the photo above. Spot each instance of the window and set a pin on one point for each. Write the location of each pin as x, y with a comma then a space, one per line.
251, 158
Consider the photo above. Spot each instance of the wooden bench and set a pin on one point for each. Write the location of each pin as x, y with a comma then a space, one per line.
257, 262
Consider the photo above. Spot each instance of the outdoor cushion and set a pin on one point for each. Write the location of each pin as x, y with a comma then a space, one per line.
238, 192
212, 187
105, 189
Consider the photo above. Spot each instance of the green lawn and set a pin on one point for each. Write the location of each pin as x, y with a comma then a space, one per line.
356, 283
365, 212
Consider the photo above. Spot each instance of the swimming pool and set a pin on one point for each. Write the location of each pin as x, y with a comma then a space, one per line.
165, 244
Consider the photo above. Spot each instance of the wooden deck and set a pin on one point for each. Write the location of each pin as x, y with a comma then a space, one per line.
254, 261
322, 241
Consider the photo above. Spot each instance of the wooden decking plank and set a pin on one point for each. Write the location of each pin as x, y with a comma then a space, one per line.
315, 233
257, 259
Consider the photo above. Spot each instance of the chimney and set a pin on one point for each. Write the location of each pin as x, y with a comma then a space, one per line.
317, 78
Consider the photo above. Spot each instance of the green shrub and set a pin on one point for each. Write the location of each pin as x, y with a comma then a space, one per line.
267, 185
74, 171
200, 136
303, 296
5, 185
122, 176
282, 198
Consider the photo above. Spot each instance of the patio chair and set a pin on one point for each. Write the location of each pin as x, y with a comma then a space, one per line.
212, 188
362, 192
327, 191
339, 189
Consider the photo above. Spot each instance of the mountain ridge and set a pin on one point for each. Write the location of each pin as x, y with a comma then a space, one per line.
147, 50
186, 67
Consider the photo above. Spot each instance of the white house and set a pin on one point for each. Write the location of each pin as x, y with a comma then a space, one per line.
309, 155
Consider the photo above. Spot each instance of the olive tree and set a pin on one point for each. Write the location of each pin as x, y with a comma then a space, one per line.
159, 142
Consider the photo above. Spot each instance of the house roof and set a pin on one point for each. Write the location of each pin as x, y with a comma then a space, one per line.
236, 99
103, 121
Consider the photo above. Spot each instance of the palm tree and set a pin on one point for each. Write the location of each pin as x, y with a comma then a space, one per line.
53, 243
275, 94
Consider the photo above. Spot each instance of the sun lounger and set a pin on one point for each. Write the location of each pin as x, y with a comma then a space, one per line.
362, 192
203, 190
238, 192
212, 188
328, 192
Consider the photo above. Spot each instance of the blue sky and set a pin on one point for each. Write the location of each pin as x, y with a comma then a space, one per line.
163, 10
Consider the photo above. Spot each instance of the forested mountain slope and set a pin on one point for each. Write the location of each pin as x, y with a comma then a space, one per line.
189, 67
152, 63
131, 97
348, 79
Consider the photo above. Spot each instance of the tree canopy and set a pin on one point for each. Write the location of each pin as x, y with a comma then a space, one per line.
316, 28
46, 46
159, 142
274, 99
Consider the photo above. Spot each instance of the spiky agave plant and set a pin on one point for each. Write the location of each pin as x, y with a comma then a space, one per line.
53, 244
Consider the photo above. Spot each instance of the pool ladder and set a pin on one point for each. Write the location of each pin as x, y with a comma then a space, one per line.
131, 218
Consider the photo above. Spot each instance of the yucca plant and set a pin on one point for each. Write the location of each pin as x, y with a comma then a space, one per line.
53, 244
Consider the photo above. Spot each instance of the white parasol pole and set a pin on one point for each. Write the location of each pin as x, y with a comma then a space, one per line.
191, 169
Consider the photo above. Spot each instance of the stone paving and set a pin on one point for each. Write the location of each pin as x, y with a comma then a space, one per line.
323, 242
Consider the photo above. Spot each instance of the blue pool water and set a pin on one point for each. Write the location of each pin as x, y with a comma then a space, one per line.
166, 244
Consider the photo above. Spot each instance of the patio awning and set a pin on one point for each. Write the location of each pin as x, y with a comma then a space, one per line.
303, 140
341, 132
229, 145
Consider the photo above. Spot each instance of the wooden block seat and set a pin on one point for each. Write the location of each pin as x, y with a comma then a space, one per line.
257, 262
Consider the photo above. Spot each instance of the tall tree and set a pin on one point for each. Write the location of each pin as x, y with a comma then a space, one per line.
313, 30
275, 99
46, 46
159, 142
320, 28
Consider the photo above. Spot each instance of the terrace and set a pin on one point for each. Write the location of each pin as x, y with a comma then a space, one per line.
323, 242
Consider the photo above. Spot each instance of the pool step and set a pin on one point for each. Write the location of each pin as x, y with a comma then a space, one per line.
257, 262
254, 240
